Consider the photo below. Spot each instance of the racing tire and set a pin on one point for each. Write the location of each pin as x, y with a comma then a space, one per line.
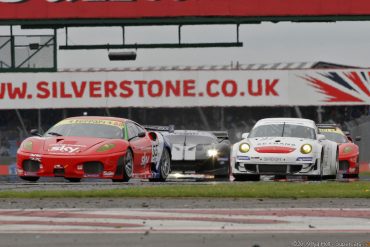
128, 164
164, 167
30, 179
246, 177
74, 180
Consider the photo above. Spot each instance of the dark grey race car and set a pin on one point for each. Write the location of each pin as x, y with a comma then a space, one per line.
202, 152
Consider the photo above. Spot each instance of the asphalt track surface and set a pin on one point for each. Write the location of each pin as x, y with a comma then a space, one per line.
177, 222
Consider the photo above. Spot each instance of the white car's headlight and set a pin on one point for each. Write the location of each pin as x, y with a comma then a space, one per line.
212, 152
244, 148
306, 149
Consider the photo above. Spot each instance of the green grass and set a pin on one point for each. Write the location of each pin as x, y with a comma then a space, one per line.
231, 190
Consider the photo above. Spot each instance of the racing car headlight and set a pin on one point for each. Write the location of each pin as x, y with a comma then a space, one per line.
212, 152
28, 145
244, 147
347, 150
306, 149
106, 147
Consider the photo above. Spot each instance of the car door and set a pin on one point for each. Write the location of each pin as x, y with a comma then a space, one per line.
147, 149
139, 148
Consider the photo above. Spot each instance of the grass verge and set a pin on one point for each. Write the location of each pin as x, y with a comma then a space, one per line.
231, 190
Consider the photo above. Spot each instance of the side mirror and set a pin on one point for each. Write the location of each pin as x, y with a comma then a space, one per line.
358, 138
141, 134
245, 135
34, 132
321, 137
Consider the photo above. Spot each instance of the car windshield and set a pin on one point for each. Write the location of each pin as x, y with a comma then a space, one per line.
86, 130
193, 139
283, 130
335, 137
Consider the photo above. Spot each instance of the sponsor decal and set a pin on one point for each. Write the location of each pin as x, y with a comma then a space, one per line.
273, 159
30, 173
35, 157
304, 159
331, 130
64, 148
95, 175
91, 121
285, 144
243, 158
108, 173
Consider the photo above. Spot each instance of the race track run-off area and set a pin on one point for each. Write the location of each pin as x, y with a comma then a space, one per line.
190, 221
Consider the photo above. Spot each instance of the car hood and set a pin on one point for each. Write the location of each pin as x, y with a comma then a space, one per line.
70, 145
278, 144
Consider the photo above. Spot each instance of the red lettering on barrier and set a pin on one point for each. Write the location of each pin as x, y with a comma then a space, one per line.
54, 89
110, 88
95, 87
63, 93
209, 89
44, 92
159, 86
78, 92
259, 88
175, 89
270, 88
189, 87
17, 92
234, 88
141, 87
125, 87
2, 93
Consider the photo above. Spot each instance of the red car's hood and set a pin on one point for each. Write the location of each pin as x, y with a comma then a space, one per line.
70, 144
351, 149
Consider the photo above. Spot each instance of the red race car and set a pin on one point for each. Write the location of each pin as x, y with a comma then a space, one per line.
348, 151
95, 147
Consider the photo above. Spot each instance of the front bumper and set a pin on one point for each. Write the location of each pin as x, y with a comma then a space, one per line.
275, 165
214, 166
349, 165
40, 165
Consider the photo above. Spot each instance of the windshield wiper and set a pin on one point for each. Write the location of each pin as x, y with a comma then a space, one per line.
282, 134
54, 134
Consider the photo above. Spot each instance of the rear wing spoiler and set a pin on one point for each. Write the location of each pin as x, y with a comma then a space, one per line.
224, 135
169, 128
327, 126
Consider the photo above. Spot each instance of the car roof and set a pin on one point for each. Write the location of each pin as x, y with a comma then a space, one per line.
193, 133
298, 121
100, 118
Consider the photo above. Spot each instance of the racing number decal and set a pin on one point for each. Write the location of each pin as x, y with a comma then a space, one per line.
155, 152
157, 148
145, 159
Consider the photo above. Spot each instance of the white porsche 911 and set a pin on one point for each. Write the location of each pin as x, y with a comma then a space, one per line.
284, 146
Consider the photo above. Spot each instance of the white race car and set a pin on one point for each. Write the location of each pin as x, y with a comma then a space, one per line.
284, 146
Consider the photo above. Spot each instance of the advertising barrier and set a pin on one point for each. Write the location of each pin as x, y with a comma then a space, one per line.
184, 88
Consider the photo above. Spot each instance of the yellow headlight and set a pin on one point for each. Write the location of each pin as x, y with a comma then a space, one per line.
306, 149
28, 145
244, 147
347, 150
106, 147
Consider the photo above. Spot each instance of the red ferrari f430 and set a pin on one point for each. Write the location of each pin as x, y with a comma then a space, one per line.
95, 147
